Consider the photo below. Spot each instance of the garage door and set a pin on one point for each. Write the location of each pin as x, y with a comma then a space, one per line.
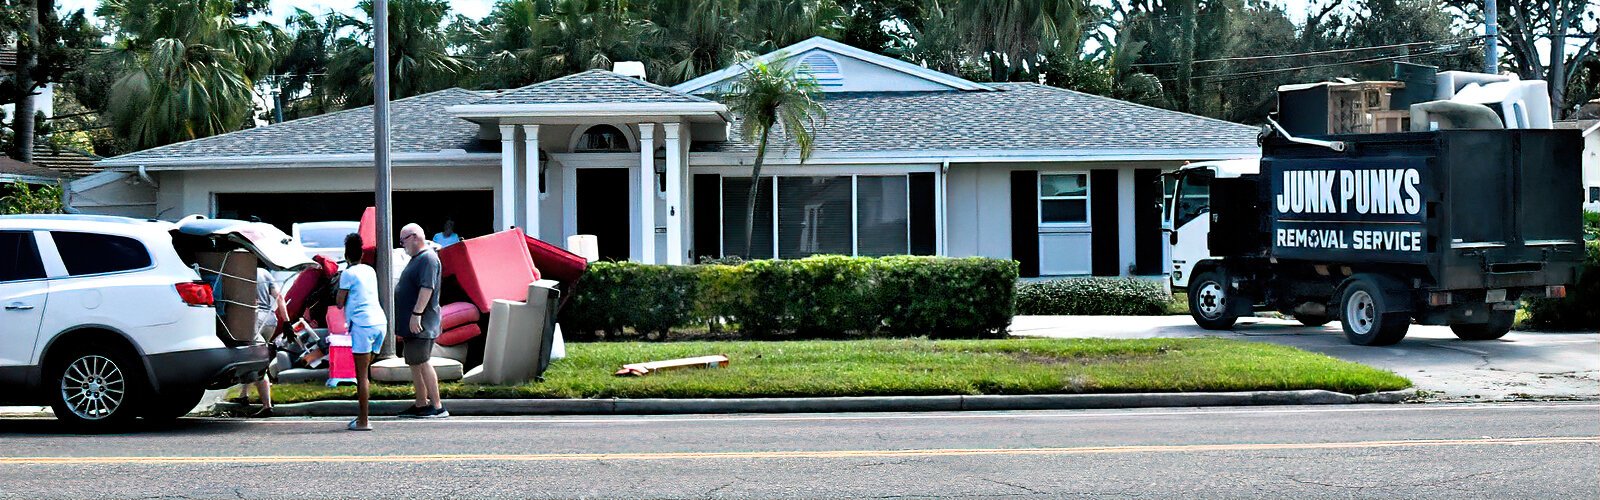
473, 211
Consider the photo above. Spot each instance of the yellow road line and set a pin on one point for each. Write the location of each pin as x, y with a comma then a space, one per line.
573, 457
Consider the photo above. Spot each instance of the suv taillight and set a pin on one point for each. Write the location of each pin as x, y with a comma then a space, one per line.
195, 293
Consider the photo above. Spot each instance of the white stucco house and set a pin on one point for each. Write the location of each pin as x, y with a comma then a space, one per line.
907, 161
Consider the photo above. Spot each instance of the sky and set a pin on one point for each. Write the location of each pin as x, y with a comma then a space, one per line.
476, 9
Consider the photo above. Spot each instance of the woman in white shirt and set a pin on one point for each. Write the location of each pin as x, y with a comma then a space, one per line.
364, 318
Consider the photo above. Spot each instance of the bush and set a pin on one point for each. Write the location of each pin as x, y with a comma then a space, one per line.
821, 296
1093, 297
1578, 310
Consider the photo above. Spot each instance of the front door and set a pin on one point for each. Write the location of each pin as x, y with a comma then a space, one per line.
602, 210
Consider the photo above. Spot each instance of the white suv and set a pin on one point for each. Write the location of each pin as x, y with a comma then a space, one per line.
106, 319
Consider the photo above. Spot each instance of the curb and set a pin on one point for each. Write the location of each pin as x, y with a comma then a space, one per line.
512, 407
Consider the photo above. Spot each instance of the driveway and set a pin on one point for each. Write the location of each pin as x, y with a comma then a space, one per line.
1522, 365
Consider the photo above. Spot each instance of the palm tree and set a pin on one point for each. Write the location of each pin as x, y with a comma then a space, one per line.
185, 71
1015, 34
773, 94
511, 43
419, 60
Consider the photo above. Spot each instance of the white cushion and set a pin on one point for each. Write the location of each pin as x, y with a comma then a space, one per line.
395, 370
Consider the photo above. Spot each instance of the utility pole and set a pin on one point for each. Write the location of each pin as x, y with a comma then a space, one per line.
1491, 36
380, 148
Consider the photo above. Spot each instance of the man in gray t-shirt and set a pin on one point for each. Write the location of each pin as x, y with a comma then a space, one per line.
416, 298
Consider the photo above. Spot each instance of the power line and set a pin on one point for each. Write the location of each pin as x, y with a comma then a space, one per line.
1314, 53
1229, 77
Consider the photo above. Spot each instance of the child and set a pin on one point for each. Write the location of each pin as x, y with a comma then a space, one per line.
358, 296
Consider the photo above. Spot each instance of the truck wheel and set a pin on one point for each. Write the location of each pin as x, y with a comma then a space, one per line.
1312, 319
96, 388
173, 403
1209, 301
1499, 323
1367, 316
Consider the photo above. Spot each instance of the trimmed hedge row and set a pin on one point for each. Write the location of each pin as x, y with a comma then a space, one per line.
1092, 297
821, 296
1579, 310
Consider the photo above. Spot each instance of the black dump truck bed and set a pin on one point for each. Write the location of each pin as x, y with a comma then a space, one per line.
1462, 209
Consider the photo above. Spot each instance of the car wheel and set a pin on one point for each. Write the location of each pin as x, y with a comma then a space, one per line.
1368, 317
1313, 319
1499, 324
97, 388
1209, 301
173, 403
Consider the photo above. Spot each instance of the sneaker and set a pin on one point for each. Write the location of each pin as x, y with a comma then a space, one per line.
439, 412
415, 412
264, 412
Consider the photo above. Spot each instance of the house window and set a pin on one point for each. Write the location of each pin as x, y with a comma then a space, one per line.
1594, 194
1064, 199
883, 216
814, 216
840, 215
602, 138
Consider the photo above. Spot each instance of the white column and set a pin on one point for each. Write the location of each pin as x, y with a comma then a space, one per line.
530, 188
675, 252
508, 176
647, 192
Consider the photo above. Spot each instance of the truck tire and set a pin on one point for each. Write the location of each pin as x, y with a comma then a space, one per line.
1368, 317
1499, 324
1313, 319
96, 387
1209, 301
173, 403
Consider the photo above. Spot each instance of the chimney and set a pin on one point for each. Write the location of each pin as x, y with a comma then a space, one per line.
629, 68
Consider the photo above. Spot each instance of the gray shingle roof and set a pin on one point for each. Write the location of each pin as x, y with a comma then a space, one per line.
593, 86
1019, 116
10, 167
69, 161
419, 125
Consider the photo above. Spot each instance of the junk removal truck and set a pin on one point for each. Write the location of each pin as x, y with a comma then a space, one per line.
1438, 225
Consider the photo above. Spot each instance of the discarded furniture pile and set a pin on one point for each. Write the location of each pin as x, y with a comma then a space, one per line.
499, 296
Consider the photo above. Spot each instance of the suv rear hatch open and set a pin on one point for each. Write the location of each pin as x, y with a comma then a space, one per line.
226, 253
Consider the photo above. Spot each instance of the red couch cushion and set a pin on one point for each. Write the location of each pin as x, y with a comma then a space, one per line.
298, 297
458, 313
368, 229
556, 263
459, 335
495, 266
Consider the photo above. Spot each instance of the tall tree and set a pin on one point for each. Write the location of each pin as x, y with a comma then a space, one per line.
1526, 25
1013, 36
184, 71
49, 46
419, 59
766, 97
304, 57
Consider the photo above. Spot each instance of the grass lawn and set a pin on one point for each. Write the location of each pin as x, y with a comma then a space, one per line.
904, 367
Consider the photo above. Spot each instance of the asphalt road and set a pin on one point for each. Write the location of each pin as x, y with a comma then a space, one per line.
1383, 451
1522, 365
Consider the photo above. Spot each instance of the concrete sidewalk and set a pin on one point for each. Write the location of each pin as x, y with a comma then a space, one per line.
1521, 365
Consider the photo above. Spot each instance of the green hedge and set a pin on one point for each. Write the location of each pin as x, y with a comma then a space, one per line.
1092, 297
1579, 310
822, 296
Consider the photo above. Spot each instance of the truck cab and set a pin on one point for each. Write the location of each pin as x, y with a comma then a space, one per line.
1188, 218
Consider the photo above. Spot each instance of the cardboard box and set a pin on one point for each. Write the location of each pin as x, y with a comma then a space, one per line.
236, 299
